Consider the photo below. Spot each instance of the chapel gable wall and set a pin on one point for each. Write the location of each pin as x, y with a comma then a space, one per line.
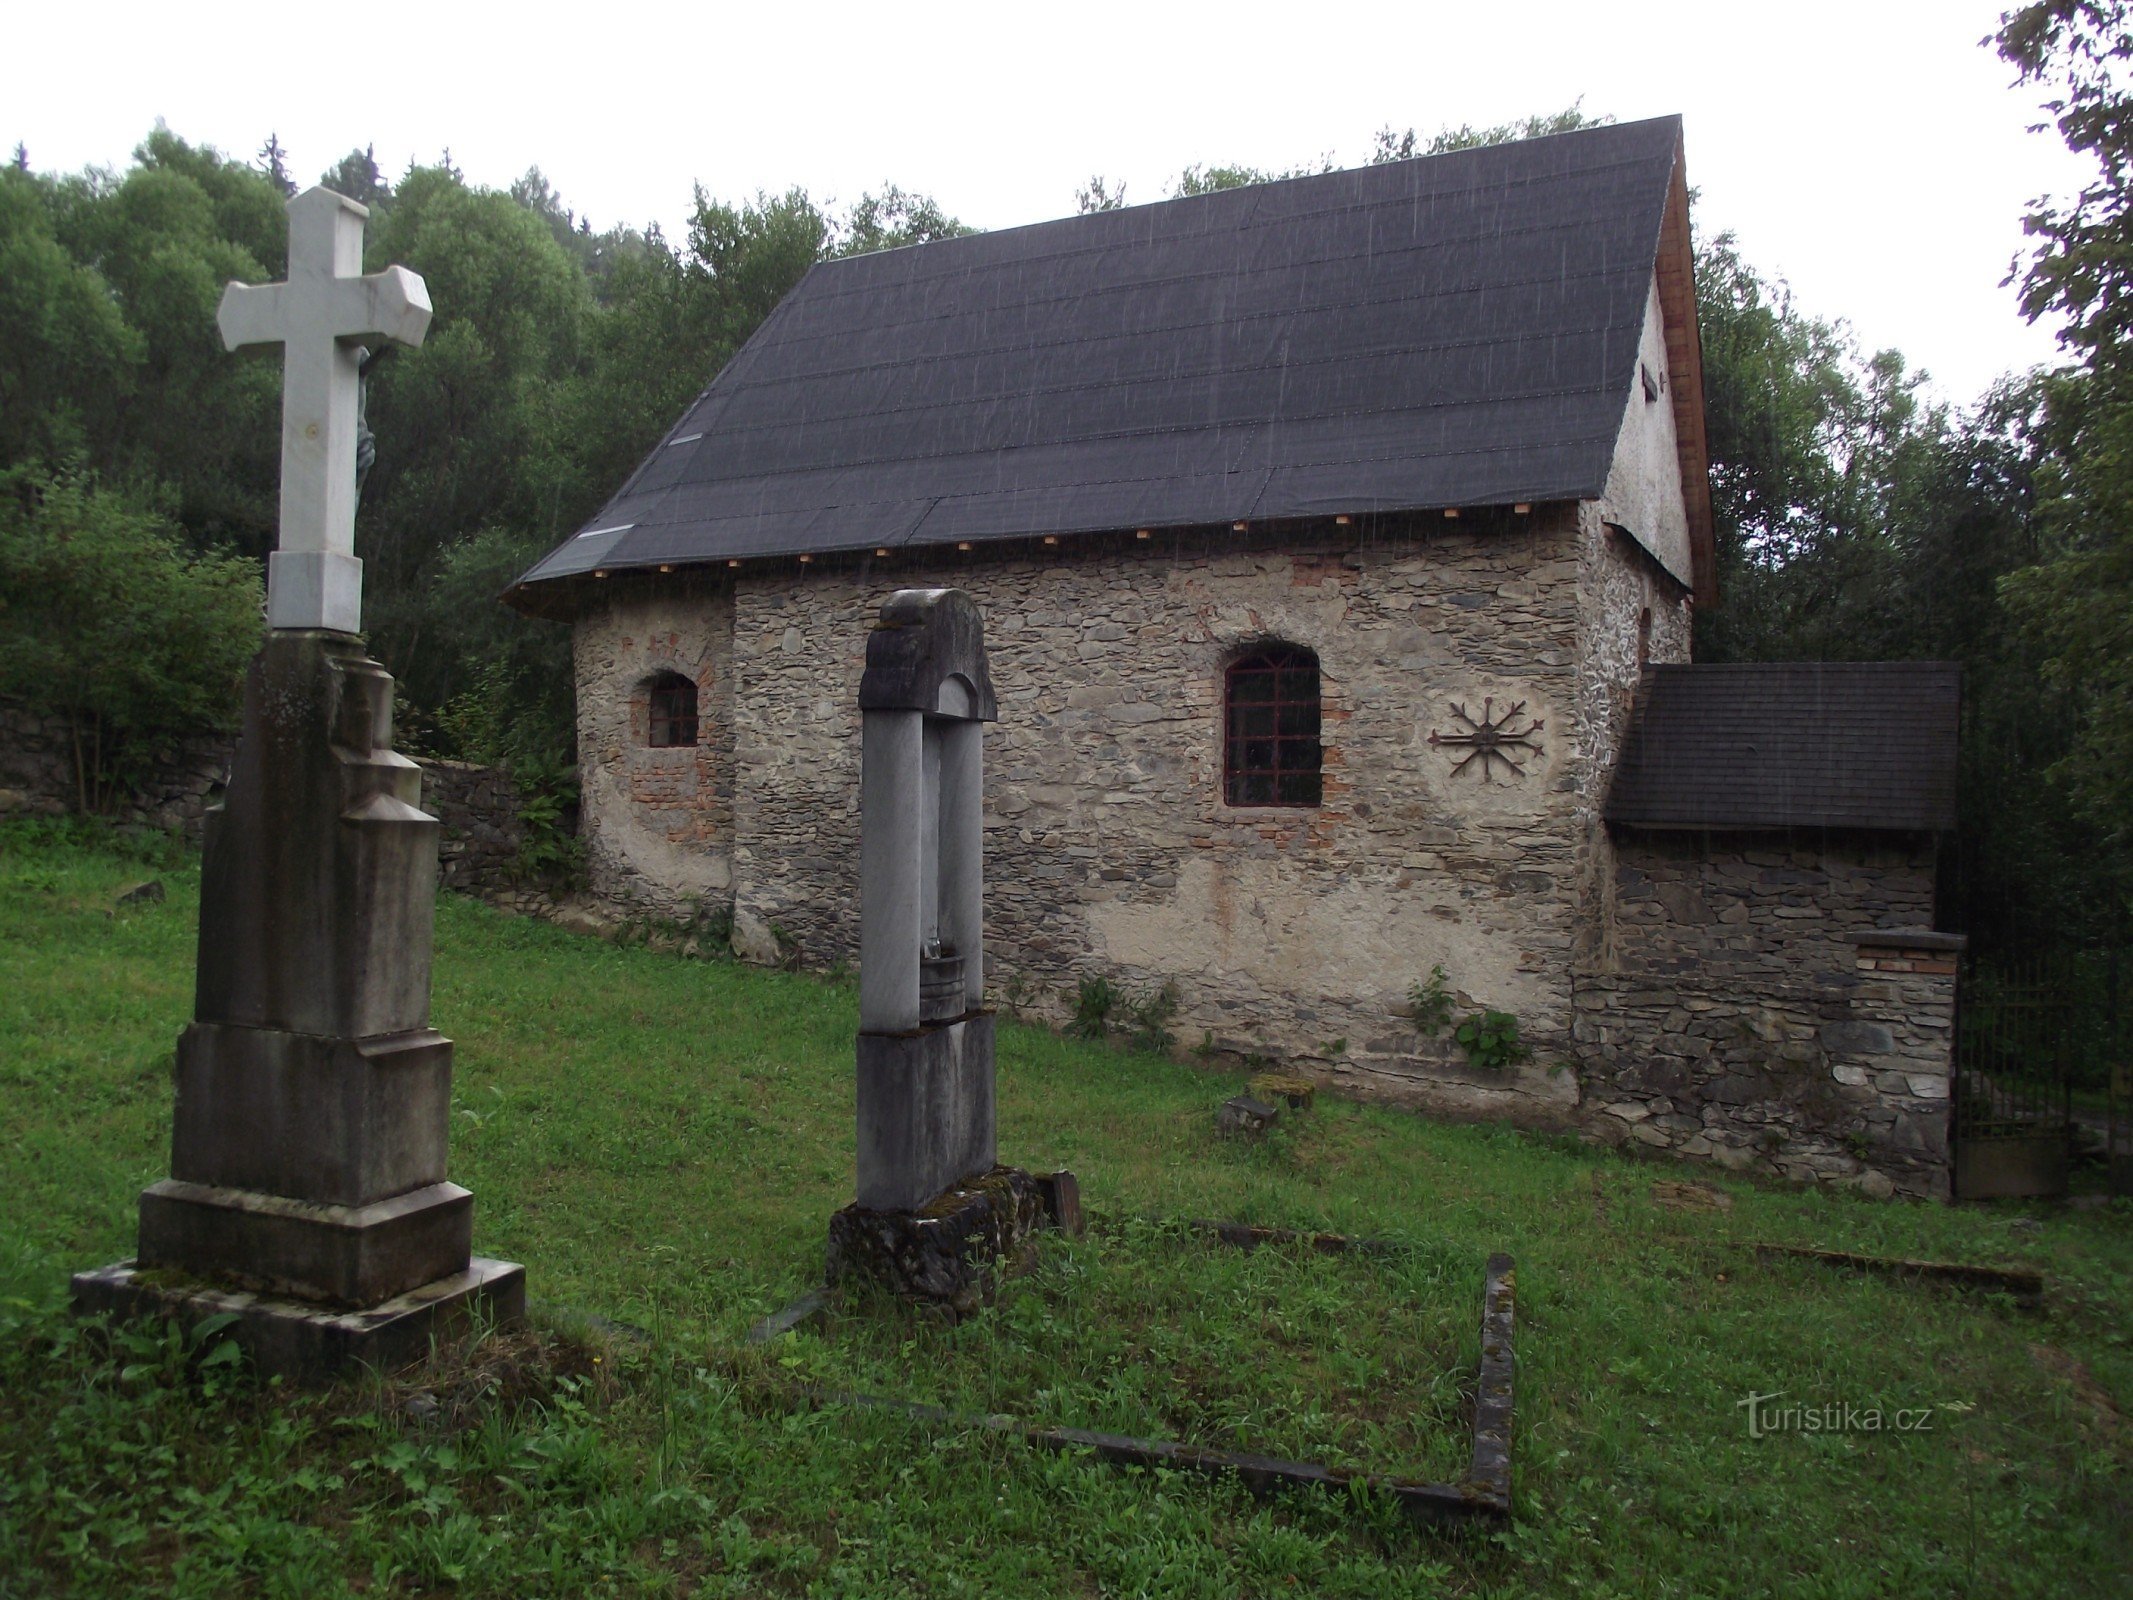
1644, 487
1633, 615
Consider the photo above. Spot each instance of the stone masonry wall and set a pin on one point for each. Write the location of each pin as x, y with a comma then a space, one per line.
37, 774
657, 824
1634, 616
1768, 1007
477, 805
478, 853
1289, 932
1763, 907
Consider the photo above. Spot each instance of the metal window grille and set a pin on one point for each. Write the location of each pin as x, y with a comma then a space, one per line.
673, 713
1270, 749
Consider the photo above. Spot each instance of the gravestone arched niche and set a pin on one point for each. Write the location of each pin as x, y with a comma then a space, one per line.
925, 1067
923, 701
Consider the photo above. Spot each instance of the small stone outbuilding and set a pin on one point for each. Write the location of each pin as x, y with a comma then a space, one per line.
1771, 992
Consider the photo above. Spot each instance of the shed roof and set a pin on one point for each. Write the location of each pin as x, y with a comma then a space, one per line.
1792, 744
1455, 330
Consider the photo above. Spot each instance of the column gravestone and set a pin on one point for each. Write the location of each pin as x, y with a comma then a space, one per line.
935, 1209
313, 1099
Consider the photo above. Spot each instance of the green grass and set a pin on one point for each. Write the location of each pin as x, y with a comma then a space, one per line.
662, 1141
1145, 1329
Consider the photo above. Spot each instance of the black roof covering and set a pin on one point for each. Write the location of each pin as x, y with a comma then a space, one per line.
1457, 330
1792, 744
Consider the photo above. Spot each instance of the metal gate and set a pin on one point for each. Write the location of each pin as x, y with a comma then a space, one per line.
2118, 1077
2011, 1122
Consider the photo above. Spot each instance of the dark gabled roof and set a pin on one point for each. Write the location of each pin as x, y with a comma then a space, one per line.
1806, 744
1458, 330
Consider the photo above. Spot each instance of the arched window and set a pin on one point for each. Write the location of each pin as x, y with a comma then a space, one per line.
673, 708
1270, 750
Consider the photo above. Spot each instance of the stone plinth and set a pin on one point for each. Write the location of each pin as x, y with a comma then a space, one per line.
313, 1098
950, 1252
312, 1343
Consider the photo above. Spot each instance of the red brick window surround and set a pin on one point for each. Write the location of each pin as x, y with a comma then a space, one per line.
673, 707
1270, 748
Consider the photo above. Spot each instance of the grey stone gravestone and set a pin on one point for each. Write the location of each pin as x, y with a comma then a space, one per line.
307, 1189
925, 1040
935, 1210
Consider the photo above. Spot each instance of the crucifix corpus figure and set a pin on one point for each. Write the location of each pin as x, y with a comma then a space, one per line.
322, 317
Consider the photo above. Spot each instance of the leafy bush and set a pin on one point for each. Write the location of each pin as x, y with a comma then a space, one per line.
549, 849
1430, 1004
107, 621
1491, 1042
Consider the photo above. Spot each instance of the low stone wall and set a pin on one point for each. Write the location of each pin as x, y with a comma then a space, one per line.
37, 774
479, 806
1840, 1080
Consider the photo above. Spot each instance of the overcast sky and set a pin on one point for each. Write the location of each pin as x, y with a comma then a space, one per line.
1868, 150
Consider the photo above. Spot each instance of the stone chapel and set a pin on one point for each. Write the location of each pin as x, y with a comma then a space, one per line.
1324, 532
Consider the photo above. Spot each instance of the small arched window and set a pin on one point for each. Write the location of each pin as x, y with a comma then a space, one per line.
673, 708
1270, 744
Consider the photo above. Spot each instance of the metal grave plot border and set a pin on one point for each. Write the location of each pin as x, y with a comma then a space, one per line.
1482, 1497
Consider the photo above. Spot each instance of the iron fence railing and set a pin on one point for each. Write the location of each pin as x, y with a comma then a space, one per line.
2044, 1050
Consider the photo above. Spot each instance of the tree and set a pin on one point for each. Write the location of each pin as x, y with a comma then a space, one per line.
893, 218
139, 387
68, 359
474, 427
274, 165
1099, 194
1208, 179
357, 176
109, 621
1402, 146
1792, 412
2075, 605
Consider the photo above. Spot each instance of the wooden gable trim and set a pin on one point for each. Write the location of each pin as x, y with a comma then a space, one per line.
1684, 360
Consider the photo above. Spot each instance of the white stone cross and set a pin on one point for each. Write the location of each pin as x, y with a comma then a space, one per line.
319, 317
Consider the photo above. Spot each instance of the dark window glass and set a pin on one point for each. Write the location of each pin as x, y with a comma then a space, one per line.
1297, 788
1270, 751
673, 712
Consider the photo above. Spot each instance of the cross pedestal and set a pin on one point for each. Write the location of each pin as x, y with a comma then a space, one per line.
307, 1189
